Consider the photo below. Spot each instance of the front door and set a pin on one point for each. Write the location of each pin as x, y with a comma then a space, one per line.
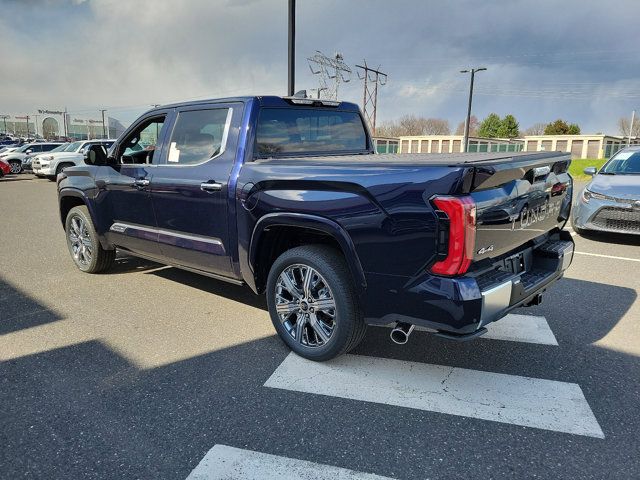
189, 187
124, 196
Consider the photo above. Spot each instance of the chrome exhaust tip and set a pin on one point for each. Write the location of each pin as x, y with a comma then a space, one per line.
400, 333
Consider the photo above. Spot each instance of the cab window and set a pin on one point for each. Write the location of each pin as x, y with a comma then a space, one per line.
140, 145
198, 136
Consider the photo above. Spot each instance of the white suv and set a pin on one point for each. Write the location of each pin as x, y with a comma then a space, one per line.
51, 164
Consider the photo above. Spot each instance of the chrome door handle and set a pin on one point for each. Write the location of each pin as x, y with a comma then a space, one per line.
211, 187
141, 182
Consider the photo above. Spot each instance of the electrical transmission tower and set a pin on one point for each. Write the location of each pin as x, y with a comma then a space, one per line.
372, 78
331, 72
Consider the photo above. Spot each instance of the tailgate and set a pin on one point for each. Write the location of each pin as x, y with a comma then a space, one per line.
518, 200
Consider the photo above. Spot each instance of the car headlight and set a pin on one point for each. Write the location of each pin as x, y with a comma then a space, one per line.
588, 195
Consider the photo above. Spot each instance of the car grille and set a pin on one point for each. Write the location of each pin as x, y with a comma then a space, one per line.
622, 220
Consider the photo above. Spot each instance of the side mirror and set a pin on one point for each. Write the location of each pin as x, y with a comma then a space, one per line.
95, 155
591, 171
28, 151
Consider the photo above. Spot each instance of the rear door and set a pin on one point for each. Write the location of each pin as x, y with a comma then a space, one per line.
189, 187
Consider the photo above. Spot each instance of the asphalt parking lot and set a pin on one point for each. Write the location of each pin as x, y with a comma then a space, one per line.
152, 372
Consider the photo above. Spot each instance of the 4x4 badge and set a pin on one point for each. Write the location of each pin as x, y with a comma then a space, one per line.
484, 250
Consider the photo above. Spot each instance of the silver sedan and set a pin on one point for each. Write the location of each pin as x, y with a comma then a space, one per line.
611, 200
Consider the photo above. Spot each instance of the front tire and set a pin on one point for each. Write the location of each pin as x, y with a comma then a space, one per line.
84, 245
16, 167
313, 303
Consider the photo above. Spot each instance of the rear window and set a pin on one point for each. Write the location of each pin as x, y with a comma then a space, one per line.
283, 131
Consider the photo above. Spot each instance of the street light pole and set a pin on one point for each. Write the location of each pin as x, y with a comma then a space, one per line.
104, 134
27, 126
633, 117
292, 48
473, 71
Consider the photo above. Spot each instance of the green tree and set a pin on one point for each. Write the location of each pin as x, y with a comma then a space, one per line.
560, 127
509, 127
489, 126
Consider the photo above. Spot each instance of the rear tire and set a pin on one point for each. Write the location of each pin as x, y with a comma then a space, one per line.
84, 245
322, 320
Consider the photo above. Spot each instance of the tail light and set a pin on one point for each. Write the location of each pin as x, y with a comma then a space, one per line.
460, 242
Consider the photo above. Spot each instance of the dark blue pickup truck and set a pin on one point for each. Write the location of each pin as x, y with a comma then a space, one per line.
287, 196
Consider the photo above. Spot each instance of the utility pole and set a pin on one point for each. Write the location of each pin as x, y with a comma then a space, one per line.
104, 132
292, 48
468, 119
370, 96
633, 117
27, 126
36, 125
4, 118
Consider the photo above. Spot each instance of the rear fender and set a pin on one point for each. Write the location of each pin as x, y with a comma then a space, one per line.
311, 222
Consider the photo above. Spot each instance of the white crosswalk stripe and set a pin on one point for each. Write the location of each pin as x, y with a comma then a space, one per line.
517, 328
525, 401
229, 463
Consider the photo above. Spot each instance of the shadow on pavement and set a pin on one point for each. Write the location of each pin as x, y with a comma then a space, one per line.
85, 411
242, 294
19, 311
612, 238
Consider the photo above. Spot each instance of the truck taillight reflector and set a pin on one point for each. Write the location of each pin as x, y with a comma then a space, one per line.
461, 212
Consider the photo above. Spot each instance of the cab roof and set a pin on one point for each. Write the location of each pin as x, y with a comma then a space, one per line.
264, 101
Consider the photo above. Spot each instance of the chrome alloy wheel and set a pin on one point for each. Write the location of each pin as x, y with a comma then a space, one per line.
81, 244
16, 167
305, 305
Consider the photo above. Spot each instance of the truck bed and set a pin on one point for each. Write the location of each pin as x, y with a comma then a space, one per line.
439, 159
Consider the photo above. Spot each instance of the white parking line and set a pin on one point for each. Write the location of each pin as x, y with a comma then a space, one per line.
516, 328
609, 256
530, 402
229, 463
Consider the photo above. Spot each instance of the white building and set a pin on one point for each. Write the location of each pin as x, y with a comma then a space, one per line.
53, 124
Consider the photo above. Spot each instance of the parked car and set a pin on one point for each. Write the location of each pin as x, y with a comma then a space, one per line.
5, 169
53, 163
286, 196
28, 160
610, 202
15, 157
8, 148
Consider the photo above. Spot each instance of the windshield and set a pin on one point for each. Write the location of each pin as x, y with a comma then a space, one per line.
74, 147
60, 148
624, 163
309, 131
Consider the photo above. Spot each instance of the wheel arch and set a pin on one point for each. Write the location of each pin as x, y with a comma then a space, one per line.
69, 198
275, 233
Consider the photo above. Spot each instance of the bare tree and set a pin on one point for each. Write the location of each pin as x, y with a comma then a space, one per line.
435, 126
474, 124
623, 127
536, 129
412, 125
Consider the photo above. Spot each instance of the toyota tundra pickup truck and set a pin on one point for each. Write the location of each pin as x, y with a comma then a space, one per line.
287, 196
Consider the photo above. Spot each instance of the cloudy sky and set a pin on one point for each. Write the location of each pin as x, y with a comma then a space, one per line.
575, 59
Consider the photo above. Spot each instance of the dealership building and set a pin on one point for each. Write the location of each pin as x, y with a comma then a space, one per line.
579, 146
52, 124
